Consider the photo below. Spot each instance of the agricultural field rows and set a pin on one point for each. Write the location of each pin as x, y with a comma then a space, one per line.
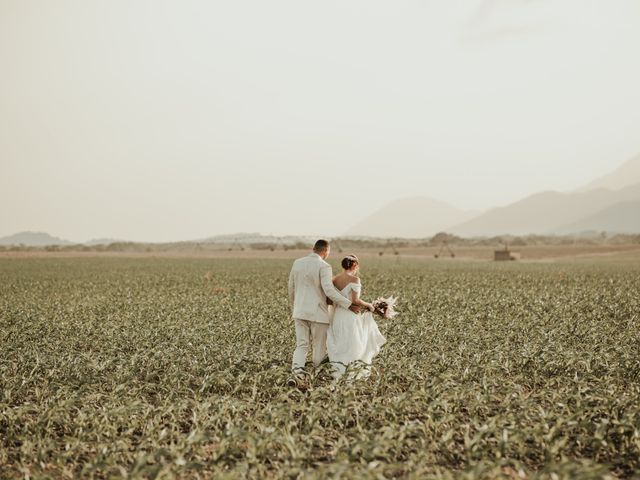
160, 368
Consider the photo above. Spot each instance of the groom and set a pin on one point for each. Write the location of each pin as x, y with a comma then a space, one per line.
310, 285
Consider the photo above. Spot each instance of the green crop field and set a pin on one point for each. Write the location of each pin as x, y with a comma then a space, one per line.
158, 368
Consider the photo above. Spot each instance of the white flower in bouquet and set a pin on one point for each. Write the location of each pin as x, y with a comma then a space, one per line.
385, 307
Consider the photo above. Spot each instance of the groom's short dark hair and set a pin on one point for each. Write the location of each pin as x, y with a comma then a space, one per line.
320, 246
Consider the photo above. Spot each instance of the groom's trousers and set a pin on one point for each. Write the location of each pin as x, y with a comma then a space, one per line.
309, 335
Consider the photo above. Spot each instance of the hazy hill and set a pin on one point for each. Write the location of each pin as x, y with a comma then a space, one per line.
544, 212
33, 239
627, 174
414, 217
102, 241
622, 217
226, 238
257, 238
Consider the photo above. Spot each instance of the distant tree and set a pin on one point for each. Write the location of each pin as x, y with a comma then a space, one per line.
441, 237
517, 242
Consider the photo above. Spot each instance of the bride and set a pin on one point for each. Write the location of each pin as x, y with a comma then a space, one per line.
353, 339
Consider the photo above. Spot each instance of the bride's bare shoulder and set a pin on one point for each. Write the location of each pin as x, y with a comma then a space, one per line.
353, 278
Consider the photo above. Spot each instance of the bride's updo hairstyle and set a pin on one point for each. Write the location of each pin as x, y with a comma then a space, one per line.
349, 262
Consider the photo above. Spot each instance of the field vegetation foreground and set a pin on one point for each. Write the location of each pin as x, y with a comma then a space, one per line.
161, 367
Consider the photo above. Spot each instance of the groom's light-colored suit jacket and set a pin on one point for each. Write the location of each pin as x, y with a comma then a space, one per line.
309, 286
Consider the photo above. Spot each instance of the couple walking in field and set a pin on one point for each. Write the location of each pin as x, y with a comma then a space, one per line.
330, 318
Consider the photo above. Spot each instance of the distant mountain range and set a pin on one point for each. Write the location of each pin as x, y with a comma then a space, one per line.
627, 174
102, 241
256, 238
42, 239
622, 217
414, 217
548, 213
607, 204
33, 239
610, 204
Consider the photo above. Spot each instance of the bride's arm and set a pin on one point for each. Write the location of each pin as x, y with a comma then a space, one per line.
356, 300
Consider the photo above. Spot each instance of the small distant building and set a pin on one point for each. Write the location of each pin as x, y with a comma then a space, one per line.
505, 255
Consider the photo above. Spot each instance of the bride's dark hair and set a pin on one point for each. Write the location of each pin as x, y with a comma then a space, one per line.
349, 261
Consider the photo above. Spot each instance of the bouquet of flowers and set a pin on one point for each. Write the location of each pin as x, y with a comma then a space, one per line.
385, 307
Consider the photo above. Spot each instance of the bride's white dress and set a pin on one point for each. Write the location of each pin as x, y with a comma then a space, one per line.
352, 339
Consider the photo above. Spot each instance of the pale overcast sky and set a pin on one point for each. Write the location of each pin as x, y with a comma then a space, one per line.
169, 120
